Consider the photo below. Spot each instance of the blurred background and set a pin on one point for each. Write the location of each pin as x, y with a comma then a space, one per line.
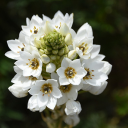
109, 20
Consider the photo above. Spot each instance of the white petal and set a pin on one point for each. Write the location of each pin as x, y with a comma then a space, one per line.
27, 71
61, 71
64, 30
18, 70
32, 103
12, 55
62, 100
52, 102
99, 57
95, 51
26, 56
17, 91
84, 31
42, 99
87, 87
65, 62
13, 45
53, 82
48, 27
81, 72
64, 81
21, 64
75, 64
72, 95
56, 92
16, 79
36, 89
75, 81
96, 90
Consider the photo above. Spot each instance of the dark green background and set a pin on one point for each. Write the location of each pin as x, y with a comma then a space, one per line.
109, 20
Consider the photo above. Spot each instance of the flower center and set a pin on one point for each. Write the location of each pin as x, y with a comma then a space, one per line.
46, 88
66, 88
32, 78
89, 74
34, 64
70, 72
35, 30
83, 47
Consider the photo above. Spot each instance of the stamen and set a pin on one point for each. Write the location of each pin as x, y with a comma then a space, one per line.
70, 72
65, 88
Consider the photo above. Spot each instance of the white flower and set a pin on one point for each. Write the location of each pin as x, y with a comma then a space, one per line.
72, 120
17, 90
47, 93
31, 64
33, 25
70, 72
83, 43
72, 107
59, 19
94, 76
27, 82
69, 92
16, 47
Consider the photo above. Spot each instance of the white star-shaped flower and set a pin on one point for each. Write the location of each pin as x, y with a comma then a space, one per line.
69, 92
33, 25
47, 93
70, 72
27, 82
31, 64
17, 46
94, 75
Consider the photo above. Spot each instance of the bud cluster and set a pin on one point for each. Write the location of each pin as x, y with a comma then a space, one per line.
53, 45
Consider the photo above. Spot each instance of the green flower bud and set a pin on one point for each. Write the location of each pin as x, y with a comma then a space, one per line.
68, 39
53, 57
66, 50
54, 51
61, 52
37, 43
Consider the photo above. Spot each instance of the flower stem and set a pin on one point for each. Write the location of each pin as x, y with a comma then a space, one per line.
80, 92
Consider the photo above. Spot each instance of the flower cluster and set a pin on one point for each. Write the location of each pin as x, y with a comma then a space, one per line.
53, 63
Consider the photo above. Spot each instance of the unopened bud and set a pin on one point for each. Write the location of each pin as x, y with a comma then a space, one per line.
66, 50
53, 57
72, 54
50, 67
61, 52
37, 43
64, 30
45, 59
48, 28
68, 39
54, 51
